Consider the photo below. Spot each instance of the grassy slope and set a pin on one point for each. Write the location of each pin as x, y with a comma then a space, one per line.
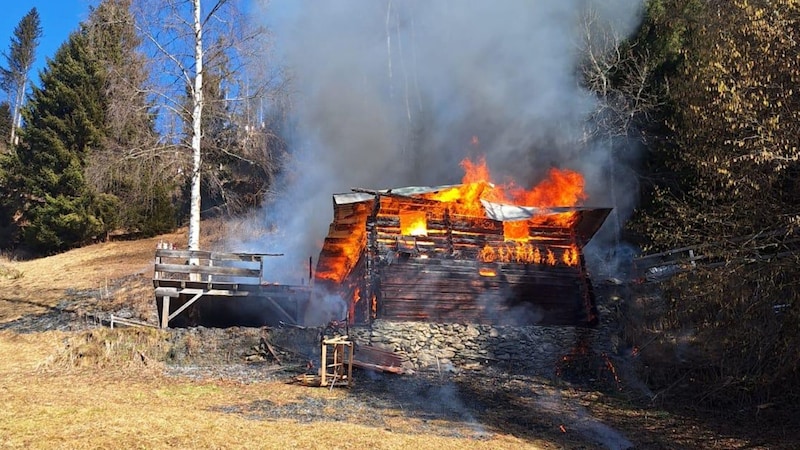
50, 400
107, 388
47, 406
34, 286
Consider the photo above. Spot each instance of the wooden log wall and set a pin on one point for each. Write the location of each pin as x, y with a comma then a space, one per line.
450, 285
439, 277
455, 236
441, 290
342, 262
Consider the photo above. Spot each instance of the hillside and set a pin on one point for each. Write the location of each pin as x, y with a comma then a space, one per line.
99, 276
95, 280
71, 382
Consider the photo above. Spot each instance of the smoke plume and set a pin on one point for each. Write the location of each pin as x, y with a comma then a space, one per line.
396, 93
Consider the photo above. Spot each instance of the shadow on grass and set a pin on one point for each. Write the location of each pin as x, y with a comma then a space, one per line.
477, 405
473, 406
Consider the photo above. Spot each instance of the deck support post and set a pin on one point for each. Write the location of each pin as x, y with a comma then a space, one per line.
165, 311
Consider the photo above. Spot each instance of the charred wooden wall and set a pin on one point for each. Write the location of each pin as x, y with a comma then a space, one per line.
343, 245
440, 276
453, 291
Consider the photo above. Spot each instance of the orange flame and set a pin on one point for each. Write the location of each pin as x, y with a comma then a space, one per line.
524, 252
571, 256
562, 188
351, 311
551, 257
516, 231
487, 272
336, 267
413, 223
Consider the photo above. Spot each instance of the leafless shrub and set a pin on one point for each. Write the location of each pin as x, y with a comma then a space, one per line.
723, 337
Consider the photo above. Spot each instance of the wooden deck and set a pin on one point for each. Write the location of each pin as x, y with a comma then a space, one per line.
192, 274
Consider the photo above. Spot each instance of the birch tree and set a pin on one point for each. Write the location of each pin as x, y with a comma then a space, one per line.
177, 33
197, 117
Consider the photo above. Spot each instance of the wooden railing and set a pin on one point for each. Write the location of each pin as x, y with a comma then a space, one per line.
197, 273
175, 266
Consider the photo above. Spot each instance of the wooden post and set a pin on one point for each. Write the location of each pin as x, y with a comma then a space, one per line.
349, 361
157, 274
371, 272
449, 236
165, 311
323, 367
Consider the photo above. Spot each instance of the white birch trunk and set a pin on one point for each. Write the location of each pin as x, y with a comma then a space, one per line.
197, 113
16, 118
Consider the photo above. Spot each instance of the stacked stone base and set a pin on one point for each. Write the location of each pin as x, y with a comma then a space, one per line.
534, 349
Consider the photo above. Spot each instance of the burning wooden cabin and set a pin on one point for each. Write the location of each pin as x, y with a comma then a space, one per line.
447, 254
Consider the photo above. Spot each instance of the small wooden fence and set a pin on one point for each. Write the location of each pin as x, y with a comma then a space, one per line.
759, 247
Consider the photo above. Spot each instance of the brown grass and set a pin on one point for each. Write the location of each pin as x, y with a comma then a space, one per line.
102, 388
110, 274
110, 402
106, 388
36, 285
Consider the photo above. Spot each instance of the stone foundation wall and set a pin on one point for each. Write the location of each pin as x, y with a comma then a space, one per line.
534, 349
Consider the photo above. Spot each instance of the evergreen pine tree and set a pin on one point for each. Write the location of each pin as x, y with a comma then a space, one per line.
5, 124
64, 123
8, 229
19, 60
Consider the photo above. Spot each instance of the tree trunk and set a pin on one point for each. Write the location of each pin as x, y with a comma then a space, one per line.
16, 118
197, 111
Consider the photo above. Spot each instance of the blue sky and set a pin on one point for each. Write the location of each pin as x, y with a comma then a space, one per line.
58, 19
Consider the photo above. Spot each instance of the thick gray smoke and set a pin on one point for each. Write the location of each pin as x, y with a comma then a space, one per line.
396, 93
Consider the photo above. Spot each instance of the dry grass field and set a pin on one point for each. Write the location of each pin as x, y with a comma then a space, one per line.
68, 381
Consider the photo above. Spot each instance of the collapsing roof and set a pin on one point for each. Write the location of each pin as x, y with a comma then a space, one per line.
588, 220
403, 254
